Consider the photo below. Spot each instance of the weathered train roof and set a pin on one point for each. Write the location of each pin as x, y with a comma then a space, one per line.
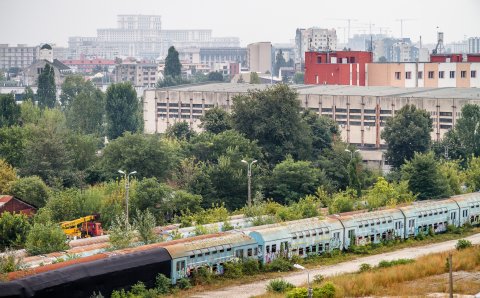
352, 220
285, 230
202, 245
425, 207
467, 200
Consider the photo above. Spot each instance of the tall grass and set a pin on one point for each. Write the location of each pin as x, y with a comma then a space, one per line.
378, 281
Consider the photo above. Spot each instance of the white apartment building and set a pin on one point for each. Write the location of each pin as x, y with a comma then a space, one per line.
143, 75
313, 39
474, 45
19, 56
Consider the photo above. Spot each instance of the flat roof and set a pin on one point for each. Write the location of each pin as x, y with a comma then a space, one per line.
336, 90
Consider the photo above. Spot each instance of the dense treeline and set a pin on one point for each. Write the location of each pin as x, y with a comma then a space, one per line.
65, 160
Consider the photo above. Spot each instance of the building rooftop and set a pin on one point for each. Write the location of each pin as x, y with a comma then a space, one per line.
384, 91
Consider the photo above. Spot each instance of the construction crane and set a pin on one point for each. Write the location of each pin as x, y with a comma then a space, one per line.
82, 227
401, 25
349, 21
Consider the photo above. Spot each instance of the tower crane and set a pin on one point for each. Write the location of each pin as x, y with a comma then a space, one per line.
401, 25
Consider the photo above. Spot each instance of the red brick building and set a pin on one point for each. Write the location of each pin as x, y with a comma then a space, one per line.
14, 205
336, 68
446, 58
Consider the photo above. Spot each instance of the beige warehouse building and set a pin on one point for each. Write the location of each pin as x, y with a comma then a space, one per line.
361, 112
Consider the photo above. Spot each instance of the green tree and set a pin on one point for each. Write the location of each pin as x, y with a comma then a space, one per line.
155, 197
180, 131
216, 120
299, 78
45, 238
424, 177
406, 133
173, 67
273, 117
9, 110
121, 233
12, 143
215, 76
279, 62
47, 90
31, 190
383, 194
336, 164
7, 175
28, 95
292, 180
342, 202
468, 129
121, 110
30, 113
169, 81
254, 78
323, 130
14, 229
85, 112
72, 87
473, 174
149, 155
144, 222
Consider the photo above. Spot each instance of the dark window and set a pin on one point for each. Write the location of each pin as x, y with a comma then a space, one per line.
326, 110
207, 253
319, 59
441, 74
431, 74
420, 75
274, 247
446, 114
249, 252
367, 111
473, 74
463, 74
229, 249
355, 111
452, 74
408, 75
192, 256
398, 75
338, 110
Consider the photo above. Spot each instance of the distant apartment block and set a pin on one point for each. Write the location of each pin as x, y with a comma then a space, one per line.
211, 56
139, 74
474, 45
19, 56
260, 57
90, 65
313, 39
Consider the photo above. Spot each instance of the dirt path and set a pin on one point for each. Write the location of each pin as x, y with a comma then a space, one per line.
300, 277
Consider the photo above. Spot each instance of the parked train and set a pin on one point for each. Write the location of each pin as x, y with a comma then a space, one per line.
177, 259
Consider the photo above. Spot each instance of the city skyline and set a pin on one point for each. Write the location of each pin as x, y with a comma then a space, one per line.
277, 23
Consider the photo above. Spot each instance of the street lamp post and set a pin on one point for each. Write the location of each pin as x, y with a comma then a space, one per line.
310, 291
352, 153
249, 175
127, 187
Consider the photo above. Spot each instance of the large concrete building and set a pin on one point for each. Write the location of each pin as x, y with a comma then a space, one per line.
19, 56
474, 45
212, 56
259, 57
313, 39
139, 74
361, 112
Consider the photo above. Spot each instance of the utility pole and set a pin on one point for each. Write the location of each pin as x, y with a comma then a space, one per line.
249, 177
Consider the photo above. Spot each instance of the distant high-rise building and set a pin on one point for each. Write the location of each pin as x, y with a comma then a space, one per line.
260, 57
395, 50
19, 56
474, 45
313, 39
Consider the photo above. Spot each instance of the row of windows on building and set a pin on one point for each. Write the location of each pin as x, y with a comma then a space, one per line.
239, 253
431, 74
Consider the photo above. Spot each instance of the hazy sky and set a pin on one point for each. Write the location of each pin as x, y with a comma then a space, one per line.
38, 21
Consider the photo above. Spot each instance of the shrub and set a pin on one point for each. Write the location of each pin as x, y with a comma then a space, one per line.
279, 286
361, 250
200, 230
279, 265
297, 293
202, 276
31, 190
138, 289
97, 295
162, 284
227, 226
9, 263
232, 270
144, 222
45, 238
386, 264
119, 294
184, 283
462, 244
420, 235
365, 267
121, 233
250, 267
326, 291
318, 278
14, 230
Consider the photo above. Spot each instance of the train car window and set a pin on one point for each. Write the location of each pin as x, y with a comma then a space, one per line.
222, 250
473, 207
192, 256
294, 237
307, 234
307, 250
384, 222
360, 226
378, 223
327, 232
430, 214
320, 247
320, 233
314, 248
274, 248
301, 236
390, 221
366, 225
214, 252
229, 249
420, 216
300, 251
314, 234
250, 252
199, 255
268, 249
207, 253
255, 251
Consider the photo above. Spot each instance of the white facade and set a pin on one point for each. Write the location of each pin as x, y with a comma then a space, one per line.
314, 39
449, 75
474, 45
19, 56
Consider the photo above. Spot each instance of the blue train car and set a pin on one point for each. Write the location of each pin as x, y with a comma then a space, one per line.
436, 215
469, 206
372, 227
300, 237
210, 251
